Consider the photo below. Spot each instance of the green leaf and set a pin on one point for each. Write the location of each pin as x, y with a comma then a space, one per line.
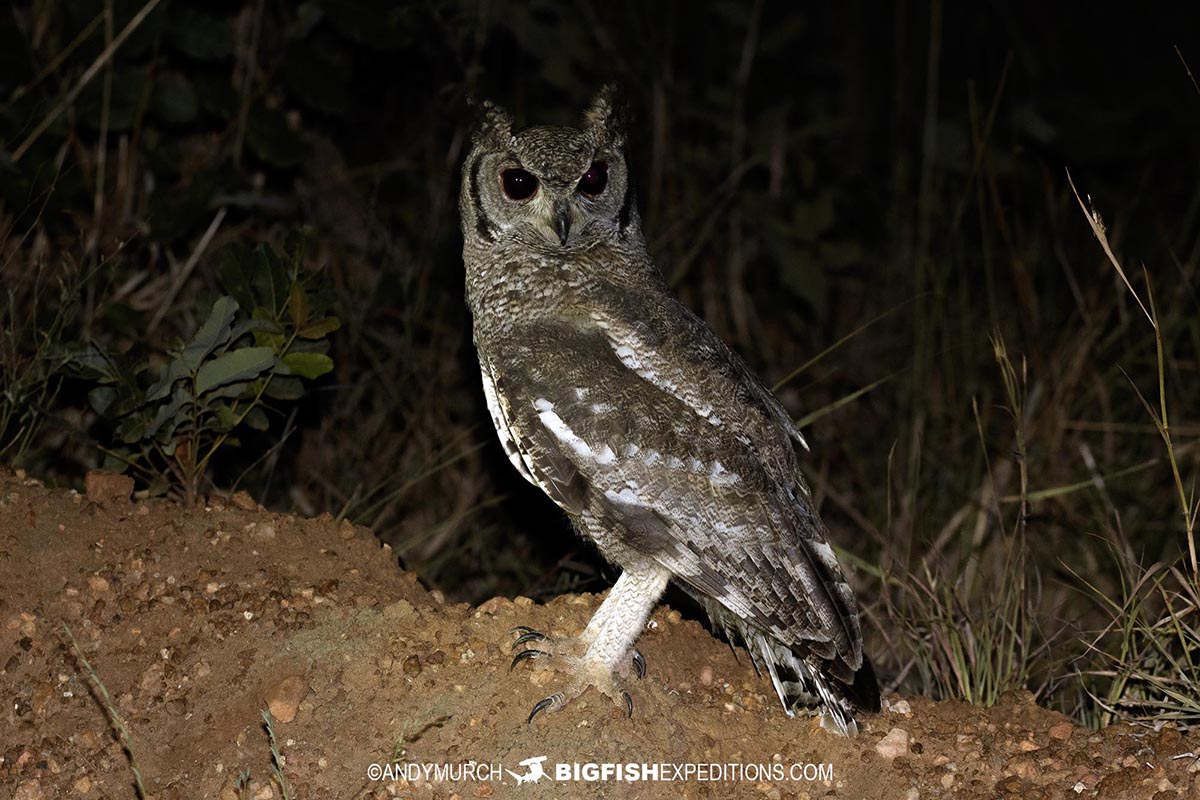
225, 418
268, 333
308, 365
283, 387
87, 360
270, 280
253, 326
132, 428
169, 376
234, 273
167, 412
175, 101
236, 365
298, 305
257, 419
101, 398
214, 332
113, 463
318, 329
306, 17
235, 390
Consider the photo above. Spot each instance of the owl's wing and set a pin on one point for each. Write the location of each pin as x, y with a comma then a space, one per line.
684, 457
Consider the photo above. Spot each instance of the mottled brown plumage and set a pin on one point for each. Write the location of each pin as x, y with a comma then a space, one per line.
634, 417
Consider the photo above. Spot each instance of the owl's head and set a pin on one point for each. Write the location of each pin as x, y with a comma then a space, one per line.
549, 188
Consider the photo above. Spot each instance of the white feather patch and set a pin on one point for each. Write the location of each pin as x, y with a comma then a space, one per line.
606, 456
626, 496
564, 434
719, 476
635, 355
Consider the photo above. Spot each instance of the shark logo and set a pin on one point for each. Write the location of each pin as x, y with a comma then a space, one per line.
535, 773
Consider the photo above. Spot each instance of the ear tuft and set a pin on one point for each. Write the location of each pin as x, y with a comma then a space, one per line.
494, 123
607, 113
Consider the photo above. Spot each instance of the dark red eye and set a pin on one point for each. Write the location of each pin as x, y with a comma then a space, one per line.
518, 184
595, 179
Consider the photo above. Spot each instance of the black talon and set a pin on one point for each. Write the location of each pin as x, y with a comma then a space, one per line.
524, 654
542, 705
628, 704
529, 636
639, 663
522, 629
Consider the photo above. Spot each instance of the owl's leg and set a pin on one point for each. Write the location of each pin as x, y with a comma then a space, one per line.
606, 641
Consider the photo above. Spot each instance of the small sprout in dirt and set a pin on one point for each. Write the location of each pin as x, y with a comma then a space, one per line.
399, 748
276, 757
260, 343
242, 784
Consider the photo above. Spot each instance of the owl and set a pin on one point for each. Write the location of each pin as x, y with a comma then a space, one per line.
657, 440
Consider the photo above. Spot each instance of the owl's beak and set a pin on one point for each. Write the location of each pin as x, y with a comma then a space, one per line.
562, 220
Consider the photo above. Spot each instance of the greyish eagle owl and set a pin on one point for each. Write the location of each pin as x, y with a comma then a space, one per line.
653, 436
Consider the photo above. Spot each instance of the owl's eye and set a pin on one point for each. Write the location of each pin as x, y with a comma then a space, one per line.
595, 179
518, 184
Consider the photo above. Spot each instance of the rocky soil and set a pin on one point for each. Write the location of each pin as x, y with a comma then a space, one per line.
195, 620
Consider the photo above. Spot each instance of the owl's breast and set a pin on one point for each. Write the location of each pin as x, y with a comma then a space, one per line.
525, 288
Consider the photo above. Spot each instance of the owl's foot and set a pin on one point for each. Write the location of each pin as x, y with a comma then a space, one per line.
571, 656
601, 656
547, 647
584, 673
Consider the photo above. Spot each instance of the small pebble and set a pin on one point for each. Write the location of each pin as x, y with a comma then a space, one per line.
1062, 731
243, 500
107, 488
284, 698
894, 744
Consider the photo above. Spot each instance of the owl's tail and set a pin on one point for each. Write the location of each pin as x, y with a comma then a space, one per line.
802, 680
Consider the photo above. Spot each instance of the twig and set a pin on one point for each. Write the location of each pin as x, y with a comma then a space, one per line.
1187, 69
90, 73
181, 278
56, 62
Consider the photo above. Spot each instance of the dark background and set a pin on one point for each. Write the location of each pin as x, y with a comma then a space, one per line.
886, 179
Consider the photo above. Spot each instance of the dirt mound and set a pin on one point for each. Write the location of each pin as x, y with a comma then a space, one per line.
195, 620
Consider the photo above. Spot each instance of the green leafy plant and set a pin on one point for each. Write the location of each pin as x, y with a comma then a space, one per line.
258, 346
